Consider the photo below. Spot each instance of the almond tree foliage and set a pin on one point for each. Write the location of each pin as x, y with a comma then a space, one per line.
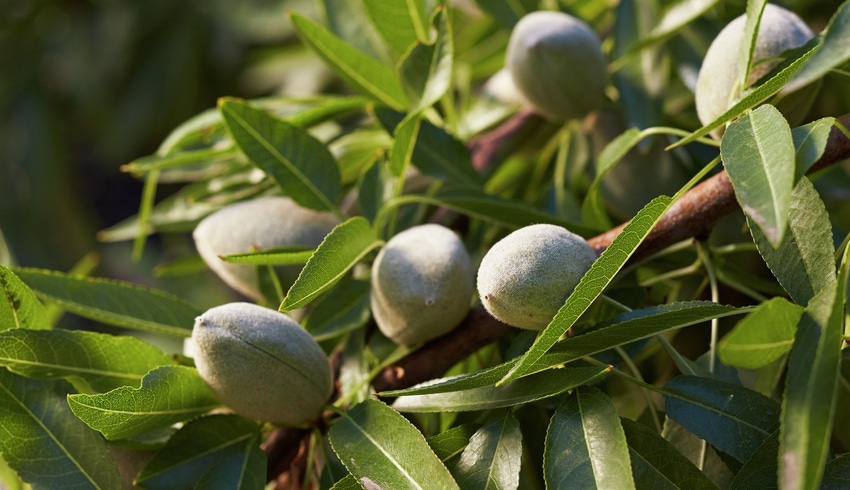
703, 349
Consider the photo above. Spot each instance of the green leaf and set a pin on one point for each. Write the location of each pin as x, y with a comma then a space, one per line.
375, 187
810, 142
657, 464
492, 457
593, 208
811, 387
731, 418
426, 71
19, 307
507, 12
763, 336
674, 19
168, 394
42, 440
101, 361
243, 470
399, 22
348, 482
622, 329
358, 69
760, 470
382, 449
199, 447
758, 154
295, 255
804, 262
755, 8
833, 52
343, 247
300, 164
114, 302
836, 476
592, 284
344, 309
585, 444
753, 97
449, 445
404, 143
536, 387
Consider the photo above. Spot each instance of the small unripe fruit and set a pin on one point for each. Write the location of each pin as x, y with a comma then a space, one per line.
779, 30
422, 284
262, 223
526, 277
262, 364
557, 63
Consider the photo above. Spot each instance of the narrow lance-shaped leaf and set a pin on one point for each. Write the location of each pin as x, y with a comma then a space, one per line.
758, 154
42, 440
811, 387
837, 473
19, 307
114, 302
198, 447
168, 394
585, 444
810, 141
492, 457
755, 8
361, 71
399, 22
593, 209
244, 469
657, 464
731, 418
535, 387
832, 54
761, 469
449, 445
101, 361
344, 246
762, 337
404, 142
426, 71
300, 164
382, 449
592, 284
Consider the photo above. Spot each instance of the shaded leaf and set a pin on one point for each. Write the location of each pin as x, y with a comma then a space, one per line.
804, 261
426, 71
345, 308
449, 445
168, 394
200, 446
833, 52
300, 164
374, 189
760, 470
585, 444
114, 302
507, 12
593, 208
343, 247
763, 336
243, 470
383, 449
492, 457
42, 440
810, 142
836, 476
657, 464
731, 418
19, 307
358, 69
536, 387
758, 154
101, 361
404, 143
399, 22
592, 284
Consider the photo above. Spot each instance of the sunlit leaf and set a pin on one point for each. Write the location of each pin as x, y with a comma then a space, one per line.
763, 336
492, 457
168, 394
382, 449
810, 141
832, 54
449, 445
399, 22
114, 302
426, 71
42, 440
19, 306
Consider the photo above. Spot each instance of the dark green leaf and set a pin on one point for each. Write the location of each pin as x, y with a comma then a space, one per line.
300, 164
811, 387
200, 446
585, 444
535, 387
426, 71
593, 209
832, 54
168, 394
42, 440
243, 470
492, 457
345, 308
358, 69
375, 187
836, 476
763, 336
657, 464
758, 154
449, 445
731, 418
804, 262
760, 470
382, 449
101, 361
114, 302
344, 246
592, 284
19, 307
